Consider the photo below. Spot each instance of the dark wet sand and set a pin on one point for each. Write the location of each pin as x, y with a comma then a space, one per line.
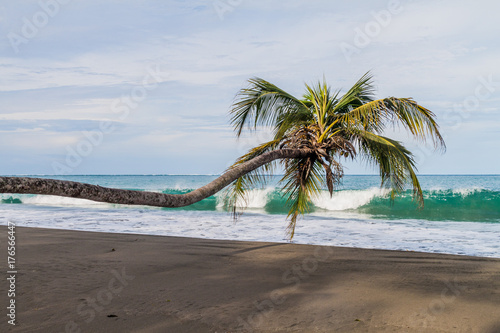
73, 281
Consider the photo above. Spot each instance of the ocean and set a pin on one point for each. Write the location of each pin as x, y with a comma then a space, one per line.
461, 214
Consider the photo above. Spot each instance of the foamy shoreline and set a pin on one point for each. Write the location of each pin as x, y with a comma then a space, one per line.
477, 239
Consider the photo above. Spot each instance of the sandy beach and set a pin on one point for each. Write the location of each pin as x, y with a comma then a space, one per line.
74, 281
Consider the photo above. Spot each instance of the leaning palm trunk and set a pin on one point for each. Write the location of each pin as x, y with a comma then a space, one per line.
63, 188
312, 136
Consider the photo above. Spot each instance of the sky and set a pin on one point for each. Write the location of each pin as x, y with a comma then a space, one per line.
144, 87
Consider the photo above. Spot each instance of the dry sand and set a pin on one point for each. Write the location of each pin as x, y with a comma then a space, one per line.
73, 281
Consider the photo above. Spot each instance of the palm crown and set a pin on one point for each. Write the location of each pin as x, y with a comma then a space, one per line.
329, 126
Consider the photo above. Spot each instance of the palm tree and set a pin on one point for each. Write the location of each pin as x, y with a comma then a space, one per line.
332, 127
311, 136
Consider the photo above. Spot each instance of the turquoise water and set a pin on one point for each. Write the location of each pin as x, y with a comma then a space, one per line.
359, 213
447, 198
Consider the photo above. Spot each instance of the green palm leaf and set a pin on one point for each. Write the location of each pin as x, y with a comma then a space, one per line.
375, 115
395, 162
261, 104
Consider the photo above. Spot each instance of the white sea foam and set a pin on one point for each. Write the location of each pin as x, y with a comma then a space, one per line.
348, 199
257, 198
464, 192
50, 200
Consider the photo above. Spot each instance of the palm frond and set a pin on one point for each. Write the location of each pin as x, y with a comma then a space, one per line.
301, 182
237, 191
320, 99
360, 93
262, 103
292, 121
375, 115
236, 195
396, 163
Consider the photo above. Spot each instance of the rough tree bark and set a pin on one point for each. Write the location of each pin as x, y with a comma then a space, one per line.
63, 188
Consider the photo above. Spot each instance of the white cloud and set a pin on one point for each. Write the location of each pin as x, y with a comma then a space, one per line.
93, 54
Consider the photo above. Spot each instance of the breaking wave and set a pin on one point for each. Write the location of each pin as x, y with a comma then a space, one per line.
440, 205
